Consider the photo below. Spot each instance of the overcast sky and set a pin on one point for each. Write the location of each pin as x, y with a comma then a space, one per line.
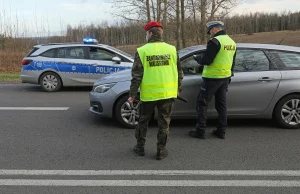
56, 14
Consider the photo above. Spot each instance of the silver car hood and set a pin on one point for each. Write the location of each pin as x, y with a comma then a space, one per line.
124, 75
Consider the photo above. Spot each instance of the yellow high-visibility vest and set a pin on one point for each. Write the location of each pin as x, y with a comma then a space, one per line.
221, 66
160, 78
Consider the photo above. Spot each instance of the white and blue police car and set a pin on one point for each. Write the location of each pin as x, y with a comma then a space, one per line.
58, 65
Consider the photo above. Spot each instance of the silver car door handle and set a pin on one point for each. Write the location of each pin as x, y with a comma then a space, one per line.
95, 64
265, 79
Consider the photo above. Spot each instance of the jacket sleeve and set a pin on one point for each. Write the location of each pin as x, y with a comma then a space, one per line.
213, 47
233, 64
137, 72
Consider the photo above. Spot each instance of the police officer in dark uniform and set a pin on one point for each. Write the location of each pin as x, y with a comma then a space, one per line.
218, 62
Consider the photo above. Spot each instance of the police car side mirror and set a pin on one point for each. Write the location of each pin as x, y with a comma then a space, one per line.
116, 60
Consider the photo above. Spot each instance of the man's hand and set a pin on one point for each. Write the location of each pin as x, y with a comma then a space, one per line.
197, 58
179, 90
130, 100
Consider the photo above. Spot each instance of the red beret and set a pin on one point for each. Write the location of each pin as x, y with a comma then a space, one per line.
152, 24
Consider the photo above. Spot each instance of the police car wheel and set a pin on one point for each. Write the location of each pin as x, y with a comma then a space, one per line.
287, 112
127, 115
50, 82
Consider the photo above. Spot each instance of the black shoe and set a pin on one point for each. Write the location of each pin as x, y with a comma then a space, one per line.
219, 134
196, 135
161, 153
139, 150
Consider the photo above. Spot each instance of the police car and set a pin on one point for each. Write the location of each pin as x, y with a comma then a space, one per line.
72, 64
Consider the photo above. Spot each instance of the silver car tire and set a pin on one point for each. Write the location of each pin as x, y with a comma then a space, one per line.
50, 82
126, 114
287, 112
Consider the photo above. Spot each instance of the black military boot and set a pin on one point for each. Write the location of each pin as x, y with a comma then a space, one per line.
161, 153
219, 133
139, 150
195, 134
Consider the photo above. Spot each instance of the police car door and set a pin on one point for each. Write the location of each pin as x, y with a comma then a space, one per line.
103, 62
72, 65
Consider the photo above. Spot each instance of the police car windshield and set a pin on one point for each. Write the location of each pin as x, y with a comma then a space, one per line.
122, 52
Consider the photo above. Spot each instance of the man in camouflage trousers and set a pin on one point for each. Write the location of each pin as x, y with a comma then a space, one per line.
157, 72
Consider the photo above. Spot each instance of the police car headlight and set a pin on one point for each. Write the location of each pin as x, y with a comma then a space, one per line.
103, 88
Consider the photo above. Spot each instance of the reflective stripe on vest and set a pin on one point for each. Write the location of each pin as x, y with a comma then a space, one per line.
160, 78
221, 66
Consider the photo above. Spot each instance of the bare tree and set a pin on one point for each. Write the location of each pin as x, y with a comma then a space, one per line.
153, 10
148, 10
220, 8
178, 23
158, 10
165, 21
165, 12
203, 8
195, 21
133, 10
183, 24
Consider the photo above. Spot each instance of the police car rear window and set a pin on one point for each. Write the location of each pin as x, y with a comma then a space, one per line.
49, 53
70, 53
32, 51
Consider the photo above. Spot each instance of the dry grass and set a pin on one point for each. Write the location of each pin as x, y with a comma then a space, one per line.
10, 77
290, 38
10, 61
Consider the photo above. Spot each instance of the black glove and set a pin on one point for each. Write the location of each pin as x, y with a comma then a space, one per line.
197, 58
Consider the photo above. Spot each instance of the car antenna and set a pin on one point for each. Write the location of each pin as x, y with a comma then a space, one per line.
283, 38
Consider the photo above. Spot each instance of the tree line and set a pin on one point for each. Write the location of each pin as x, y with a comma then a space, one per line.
184, 23
132, 32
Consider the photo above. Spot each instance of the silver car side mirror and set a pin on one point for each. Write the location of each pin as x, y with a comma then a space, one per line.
116, 60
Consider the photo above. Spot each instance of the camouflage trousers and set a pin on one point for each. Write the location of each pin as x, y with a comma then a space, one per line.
146, 110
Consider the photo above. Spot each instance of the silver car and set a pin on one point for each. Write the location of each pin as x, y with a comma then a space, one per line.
56, 65
266, 84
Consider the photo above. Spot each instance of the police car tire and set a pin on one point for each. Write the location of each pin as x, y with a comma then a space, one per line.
118, 116
59, 83
277, 112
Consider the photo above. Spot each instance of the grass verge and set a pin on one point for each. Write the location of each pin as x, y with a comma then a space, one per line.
10, 77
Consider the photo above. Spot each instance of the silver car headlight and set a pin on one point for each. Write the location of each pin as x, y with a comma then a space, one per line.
103, 87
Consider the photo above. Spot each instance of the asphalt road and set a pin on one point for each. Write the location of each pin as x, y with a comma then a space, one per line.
70, 151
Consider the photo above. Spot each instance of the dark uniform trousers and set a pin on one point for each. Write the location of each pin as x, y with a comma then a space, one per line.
146, 110
210, 88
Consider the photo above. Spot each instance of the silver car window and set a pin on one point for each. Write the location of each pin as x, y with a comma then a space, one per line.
286, 60
190, 66
251, 60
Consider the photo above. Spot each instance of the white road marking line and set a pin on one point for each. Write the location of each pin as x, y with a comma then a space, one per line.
287, 173
158, 183
34, 108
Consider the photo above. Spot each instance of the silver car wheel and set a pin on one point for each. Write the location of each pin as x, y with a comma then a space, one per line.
290, 112
50, 82
130, 113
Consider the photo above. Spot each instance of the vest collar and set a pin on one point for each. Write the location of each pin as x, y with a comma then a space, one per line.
222, 32
155, 39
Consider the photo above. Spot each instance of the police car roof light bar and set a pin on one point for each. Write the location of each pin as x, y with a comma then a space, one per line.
90, 40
